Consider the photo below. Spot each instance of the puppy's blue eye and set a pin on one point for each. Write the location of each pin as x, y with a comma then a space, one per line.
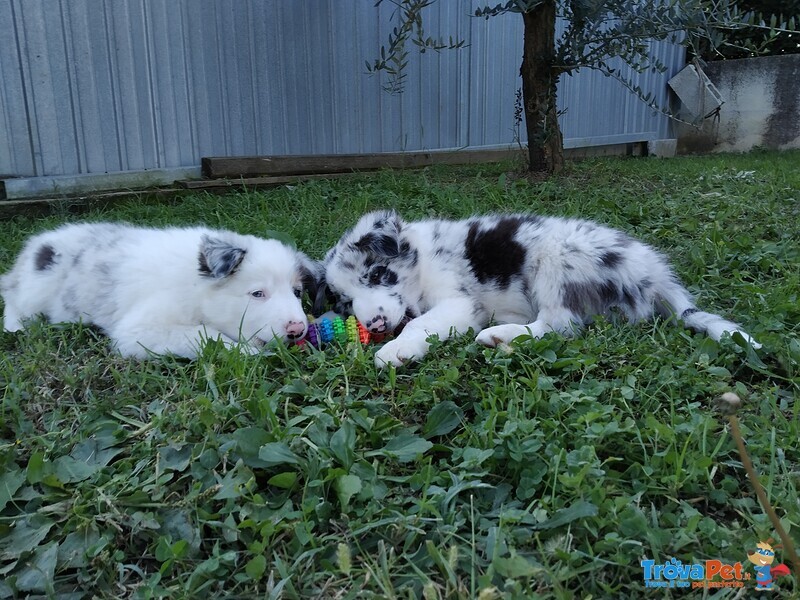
298, 292
257, 294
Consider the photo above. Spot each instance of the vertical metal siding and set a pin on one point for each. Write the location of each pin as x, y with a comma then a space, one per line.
16, 155
91, 86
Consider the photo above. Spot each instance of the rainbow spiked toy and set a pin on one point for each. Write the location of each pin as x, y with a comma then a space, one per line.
323, 331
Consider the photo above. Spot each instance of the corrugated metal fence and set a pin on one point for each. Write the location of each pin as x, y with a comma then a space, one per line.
101, 86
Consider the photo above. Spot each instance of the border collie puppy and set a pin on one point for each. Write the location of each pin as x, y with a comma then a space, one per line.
527, 273
161, 290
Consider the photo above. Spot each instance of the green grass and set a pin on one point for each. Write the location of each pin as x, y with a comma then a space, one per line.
548, 471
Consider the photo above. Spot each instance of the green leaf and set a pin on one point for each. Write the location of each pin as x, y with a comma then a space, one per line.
72, 552
94, 452
25, 537
473, 457
178, 525
163, 550
633, 523
175, 457
248, 442
277, 453
548, 355
579, 510
461, 486
36, 468
545, 383
256, 567
515, 566
52, 480
753, 359
37, 576
234, 482
285, 480
347, 486
404, 447
10, 482
443, 418
69, 470
204, 570
180, 548
721, 372
343, 444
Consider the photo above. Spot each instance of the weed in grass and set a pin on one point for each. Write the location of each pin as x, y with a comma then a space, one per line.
547, 469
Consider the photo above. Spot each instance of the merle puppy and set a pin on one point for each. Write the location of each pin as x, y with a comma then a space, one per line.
529, 274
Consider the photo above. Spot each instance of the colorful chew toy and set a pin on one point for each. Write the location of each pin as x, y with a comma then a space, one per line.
324, 331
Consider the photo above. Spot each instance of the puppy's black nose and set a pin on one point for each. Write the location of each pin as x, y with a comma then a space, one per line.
295, 330
377, 324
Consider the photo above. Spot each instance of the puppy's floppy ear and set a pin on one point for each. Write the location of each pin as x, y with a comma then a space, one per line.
312, 274
379, 244
329, 301
218, 258
323, 299
379, 234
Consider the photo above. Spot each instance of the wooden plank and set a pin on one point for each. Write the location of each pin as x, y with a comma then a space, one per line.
253, 182
76, 204
84, 184
253, 166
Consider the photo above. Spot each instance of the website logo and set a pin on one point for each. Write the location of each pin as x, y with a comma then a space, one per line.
715, 573
706, 574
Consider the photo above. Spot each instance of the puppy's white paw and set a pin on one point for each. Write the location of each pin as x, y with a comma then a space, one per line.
501, 334
400, 351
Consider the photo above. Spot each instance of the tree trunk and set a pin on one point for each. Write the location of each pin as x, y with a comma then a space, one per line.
539, 80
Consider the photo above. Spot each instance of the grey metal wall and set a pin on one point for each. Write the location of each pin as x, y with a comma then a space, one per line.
101, 86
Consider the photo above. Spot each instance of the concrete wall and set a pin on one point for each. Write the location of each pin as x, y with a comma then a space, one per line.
762, 107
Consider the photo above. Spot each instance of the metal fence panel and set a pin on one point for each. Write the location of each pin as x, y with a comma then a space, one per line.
92, 86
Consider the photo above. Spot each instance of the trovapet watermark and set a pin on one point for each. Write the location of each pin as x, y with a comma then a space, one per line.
716, 573
706, 574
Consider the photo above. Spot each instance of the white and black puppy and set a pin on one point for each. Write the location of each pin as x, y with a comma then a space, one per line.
529, 274
161, 290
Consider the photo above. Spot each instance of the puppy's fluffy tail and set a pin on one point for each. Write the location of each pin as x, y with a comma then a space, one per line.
674, 300
714, 325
